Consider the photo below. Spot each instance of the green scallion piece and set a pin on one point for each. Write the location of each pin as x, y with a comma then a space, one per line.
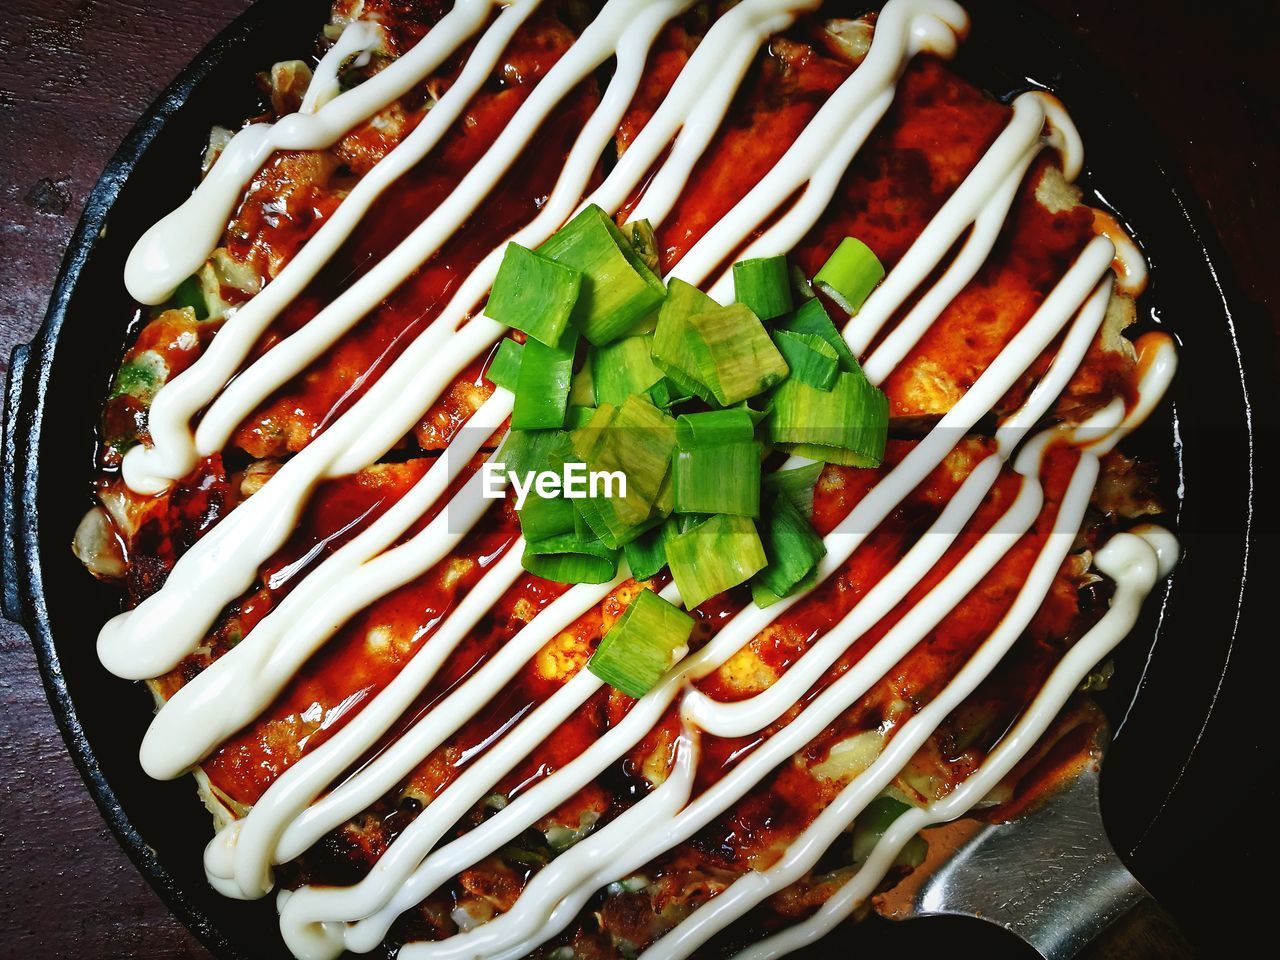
847, 424
644, 242
622, 368
735, 357
850, 274
542, 517
666, 394
713, 556
634, 440
577, 417
641, 645
875, 821
582, 392
763, 597
542, 387
714, 427
618, 288
792, 546
534, 293
796, 485
504, 368
647, 554
527, 451
190, 293
812, 318
673, 347
722, 478
763, 285
568, 558
812, 360
801, 289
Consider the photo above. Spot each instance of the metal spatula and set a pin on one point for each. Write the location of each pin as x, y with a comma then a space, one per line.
1050, 877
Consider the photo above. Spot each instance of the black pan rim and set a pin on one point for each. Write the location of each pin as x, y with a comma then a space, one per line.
24, 596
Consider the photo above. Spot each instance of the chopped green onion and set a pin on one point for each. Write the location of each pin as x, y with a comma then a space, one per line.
641, 645
647, 554
577, 417
618, 289
718, 479
534, 294
847, 424
812, 318
635, 440
763, 597
673, 351
875, 821
714, 427
504, 368
527, 451
542, 517
568, 558
763, 285
792, 546
644, 242
190, 293
666, 394
542, 388
582, 391
850, 274
796, 485
800, 287
622, 368
735, 357
713, 556
812, 360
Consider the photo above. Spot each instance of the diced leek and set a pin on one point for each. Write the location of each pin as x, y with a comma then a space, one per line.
796, 485
622, 368
641, 645
847, 424
763, 597
542, 388
673, 350
190, 293
568, 558
713, 556
527, 451
534, 294
812, 360
735, 357
644, 242
542, 517
792, 546
875, 821
577, 417
714, 427
812, 318
618, 288
763, 285
647, 554
801, 289
724, 478
504, 368
582, 392
850, 274
666, 394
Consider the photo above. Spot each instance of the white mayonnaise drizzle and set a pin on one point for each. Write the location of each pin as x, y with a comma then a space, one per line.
178, 245
305, 802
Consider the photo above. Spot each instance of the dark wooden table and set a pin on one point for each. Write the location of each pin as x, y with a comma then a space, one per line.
77, 74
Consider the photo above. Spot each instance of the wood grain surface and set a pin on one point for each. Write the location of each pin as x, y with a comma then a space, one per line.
76, 75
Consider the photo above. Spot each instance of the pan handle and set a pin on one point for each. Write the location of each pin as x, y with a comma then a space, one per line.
16, 427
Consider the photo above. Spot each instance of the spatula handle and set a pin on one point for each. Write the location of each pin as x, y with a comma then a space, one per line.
1145, 931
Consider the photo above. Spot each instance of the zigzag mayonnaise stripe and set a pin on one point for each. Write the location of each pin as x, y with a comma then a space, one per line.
178, 245
172, 453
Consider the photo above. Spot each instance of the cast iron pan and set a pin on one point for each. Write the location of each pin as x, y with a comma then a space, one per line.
1169, 673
